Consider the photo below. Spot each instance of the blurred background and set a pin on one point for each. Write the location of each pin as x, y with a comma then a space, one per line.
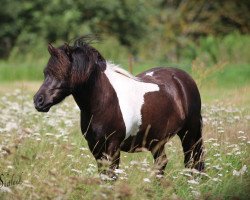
208, 38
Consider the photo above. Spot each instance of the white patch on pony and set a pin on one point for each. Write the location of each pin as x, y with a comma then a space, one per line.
130, 92
149, 73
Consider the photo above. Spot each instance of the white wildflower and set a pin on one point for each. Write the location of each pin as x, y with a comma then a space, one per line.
216, 179
105, 177
133, 162
211, 140
196, 193
193, 182
119, 171
123, 178
237, 117
5, 189
36, 134
216, 144
92, 165
159, 176
11, 126
218, 167
236, 173
146, 180
77, 171
83, 148
242, 171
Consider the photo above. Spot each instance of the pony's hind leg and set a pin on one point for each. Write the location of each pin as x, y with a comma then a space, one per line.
199, 155
192, 144
187, 147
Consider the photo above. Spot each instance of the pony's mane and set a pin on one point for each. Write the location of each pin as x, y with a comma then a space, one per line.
85, 58
85, 40
118, 69
85, 44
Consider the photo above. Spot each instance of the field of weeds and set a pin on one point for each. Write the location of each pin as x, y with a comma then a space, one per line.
44, 156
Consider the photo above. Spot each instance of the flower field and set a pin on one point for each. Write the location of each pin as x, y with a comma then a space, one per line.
49, 155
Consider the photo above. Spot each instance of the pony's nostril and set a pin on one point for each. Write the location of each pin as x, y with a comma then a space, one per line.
40, 100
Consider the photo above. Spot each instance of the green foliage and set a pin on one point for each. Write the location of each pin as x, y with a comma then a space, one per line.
233, 48
173, 23
25, 22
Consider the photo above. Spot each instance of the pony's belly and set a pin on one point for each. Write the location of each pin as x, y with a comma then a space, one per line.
134, 143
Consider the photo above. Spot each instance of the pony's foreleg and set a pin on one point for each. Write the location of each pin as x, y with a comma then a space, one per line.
108, 162
160, 159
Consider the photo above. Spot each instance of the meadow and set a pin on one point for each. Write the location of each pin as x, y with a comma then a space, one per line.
49, 159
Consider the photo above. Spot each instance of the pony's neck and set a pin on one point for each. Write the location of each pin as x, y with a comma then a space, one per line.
94, 95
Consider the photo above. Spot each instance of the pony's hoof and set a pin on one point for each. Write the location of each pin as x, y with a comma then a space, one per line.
200, 166
159, 174
108, 176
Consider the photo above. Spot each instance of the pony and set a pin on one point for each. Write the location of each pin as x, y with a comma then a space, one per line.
123, 112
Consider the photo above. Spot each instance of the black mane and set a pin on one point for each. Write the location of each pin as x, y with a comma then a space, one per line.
85, 58
85, 40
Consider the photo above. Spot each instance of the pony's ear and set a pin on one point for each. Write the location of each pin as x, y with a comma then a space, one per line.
52, 50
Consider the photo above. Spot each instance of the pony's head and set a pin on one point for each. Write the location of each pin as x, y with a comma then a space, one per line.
68, 68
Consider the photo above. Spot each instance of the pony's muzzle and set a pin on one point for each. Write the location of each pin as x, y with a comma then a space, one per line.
39, 102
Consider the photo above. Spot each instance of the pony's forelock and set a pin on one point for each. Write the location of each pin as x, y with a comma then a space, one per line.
76, 61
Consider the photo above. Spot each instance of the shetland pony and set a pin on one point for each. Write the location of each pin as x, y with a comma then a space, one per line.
122, 112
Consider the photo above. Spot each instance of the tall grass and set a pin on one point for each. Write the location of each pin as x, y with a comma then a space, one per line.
53, 159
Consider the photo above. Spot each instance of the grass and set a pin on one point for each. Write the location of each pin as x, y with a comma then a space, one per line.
224, 75
52, 156
16, 71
